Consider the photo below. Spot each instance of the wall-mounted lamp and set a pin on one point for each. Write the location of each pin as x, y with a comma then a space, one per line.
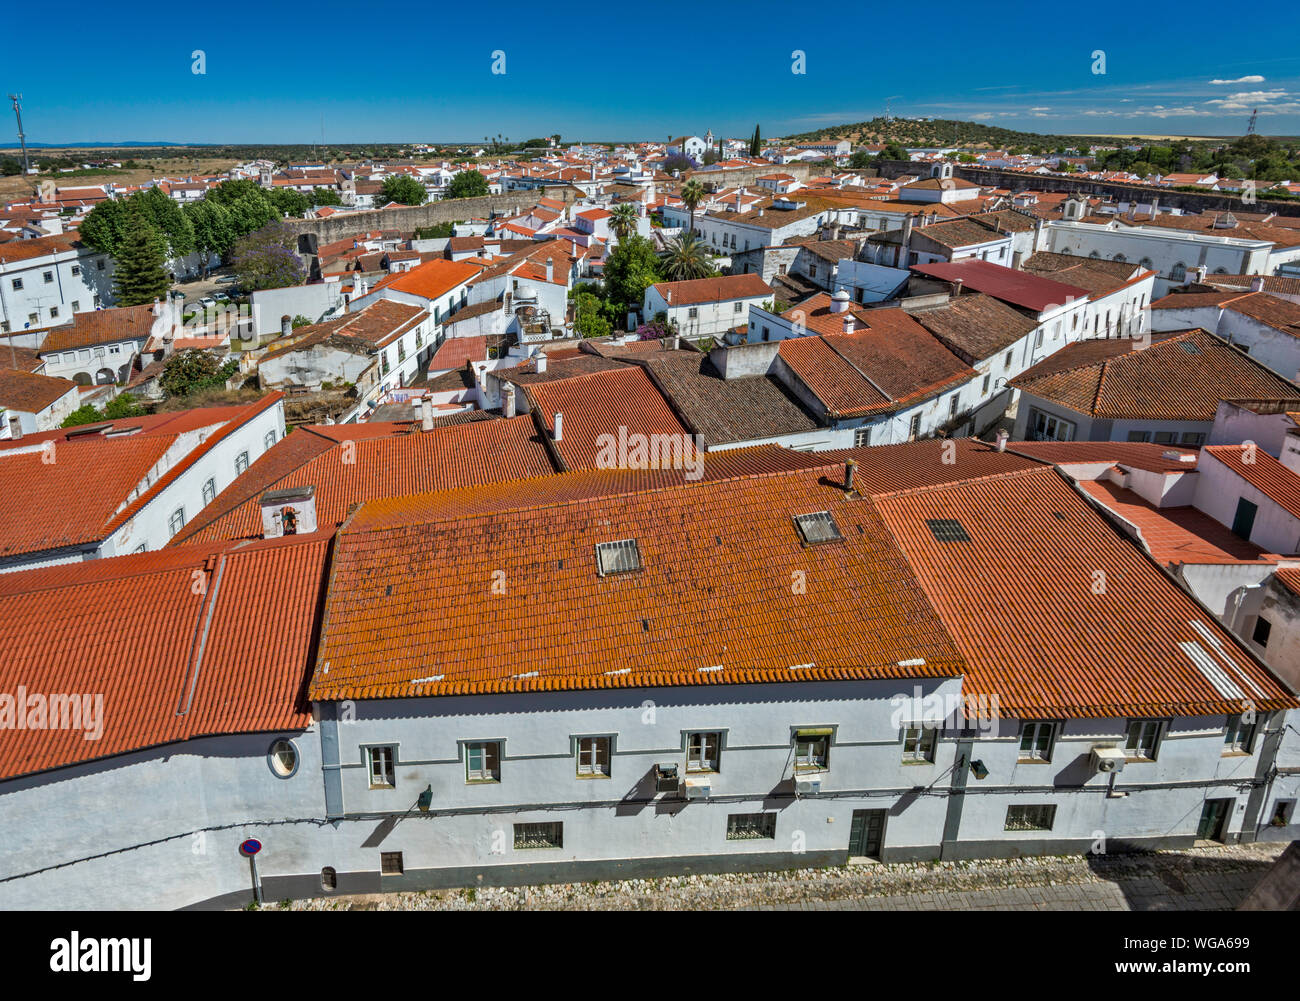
977, 768
425, 800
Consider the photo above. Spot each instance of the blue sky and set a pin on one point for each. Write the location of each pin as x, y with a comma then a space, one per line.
384, 72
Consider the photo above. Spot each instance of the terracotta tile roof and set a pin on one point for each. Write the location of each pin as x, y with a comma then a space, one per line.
456, 352
100, 326
1263, 472
26, 250
391, 465
1019, 599
963, 232
559, 365
19, 359
1100, 278
922, 464
1289, 577
144, 614
720, 289
720, 410
1276, 284
371, 328
560, 625
598, 404
1134, 454
29, 392
1180, 377
1174, 535
976, 326
1016, 287
1281, 314
431, 279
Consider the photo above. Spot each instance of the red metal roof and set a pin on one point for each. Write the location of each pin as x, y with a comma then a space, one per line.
1020, 288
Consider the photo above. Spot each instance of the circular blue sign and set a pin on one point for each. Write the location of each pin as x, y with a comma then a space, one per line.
250, 847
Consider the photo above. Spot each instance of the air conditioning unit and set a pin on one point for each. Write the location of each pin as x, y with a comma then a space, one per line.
698, 787
1107, 759
666, 778
807, 783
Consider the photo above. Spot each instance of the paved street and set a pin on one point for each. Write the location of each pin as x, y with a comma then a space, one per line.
1212, 878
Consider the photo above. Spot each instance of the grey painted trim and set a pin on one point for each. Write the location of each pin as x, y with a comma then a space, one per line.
957, 795
329, 752
1264, 770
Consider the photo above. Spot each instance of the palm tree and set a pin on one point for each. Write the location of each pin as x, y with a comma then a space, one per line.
623, 219
692, 195
686, 257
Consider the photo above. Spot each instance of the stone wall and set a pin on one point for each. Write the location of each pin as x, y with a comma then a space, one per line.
1188, 201
408, 218
749, 176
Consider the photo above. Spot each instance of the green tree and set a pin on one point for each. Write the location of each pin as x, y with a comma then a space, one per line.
250, 213
167, 218
755, 143
190, 371
692, 195
214, 231
893, 151
623, 218
860, 159
403, 190
84, 414
325, 196
140, 275
9, 166
230, 191
467, 184
122, 407
588, 316
631, 267
105, 226
289, 202
686, 257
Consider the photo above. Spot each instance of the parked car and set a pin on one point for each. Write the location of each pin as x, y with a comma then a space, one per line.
227, 279
207, 302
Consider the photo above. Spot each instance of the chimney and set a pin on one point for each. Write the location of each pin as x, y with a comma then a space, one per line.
15, 427
540, 362
956, 287
1257, 284
676, 341
558, 433
1200, 273
291, 511
550, 270
508, 400
426, 413
840, 301
286, 326
850, 468
1002, 441
848, 324
668, 296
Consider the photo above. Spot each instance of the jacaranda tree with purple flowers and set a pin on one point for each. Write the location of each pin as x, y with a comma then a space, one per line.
265, 259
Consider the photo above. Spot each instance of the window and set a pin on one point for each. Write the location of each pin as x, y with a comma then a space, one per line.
1030, 818
76, 270
99, 264
947, 530
269, 440
390, 864
483, 761
176, 521
241, 463
593, 756
1261, 631
817, 528
48, 277
954, 402
1178, 272
919, 743
1166, 437
54, 312
1006, 363
692, 313
738, 307
539, 835
1036, 741
1193, 438
984, 389
702, 751
284, 758
1143, 740
1038, 338
209, 491
1239, 736
618, 557
1283, 810
18, 284
751, 826
812, 749
1139, 436
329, 879
380, 760
914, 428
861, 437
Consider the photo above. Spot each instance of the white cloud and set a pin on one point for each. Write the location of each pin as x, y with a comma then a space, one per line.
1040, 109
1241, 79
1247, 100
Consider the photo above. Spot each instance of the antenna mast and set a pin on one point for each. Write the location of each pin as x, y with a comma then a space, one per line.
1250, 129
22, 140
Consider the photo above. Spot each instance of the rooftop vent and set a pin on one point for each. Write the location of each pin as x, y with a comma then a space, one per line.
947, 530
291, 511
817, 528
618, 557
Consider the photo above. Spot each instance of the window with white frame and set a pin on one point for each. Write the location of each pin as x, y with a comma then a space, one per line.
241, 463
914, 428
812, 749
209, 491
919, 742
269, 440
380, 761
1036, 737
483, 761
176, 520
593, 757
1239, 734
1143, 740
861, 437
702, 751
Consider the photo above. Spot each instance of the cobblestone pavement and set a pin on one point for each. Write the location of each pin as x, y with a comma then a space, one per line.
1215, 878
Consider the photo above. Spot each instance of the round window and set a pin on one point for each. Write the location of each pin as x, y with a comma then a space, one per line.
284, 758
